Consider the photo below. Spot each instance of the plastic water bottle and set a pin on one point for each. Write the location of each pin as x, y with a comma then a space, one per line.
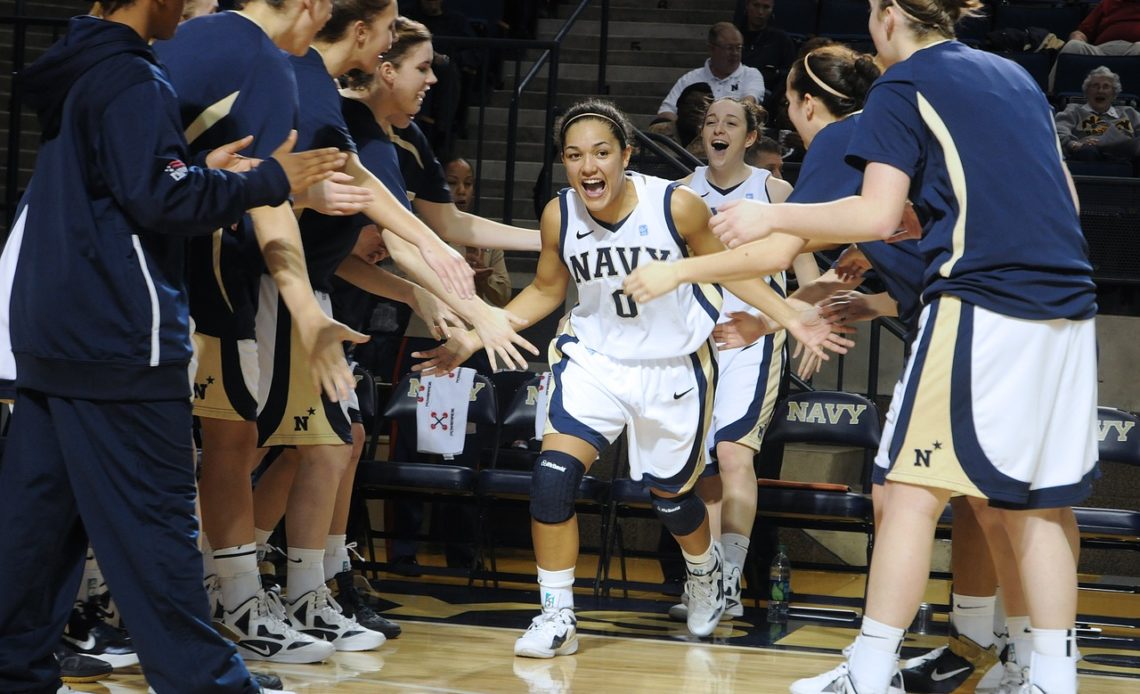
779, 586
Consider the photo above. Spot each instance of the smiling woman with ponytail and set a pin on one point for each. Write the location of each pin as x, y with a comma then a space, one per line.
1007, 298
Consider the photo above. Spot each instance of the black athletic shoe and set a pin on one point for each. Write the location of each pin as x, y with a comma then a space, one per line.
74, 667
353, 605
267, 680
87, 634
951, 668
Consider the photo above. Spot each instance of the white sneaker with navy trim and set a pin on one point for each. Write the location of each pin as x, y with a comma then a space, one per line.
317, 615
549, 634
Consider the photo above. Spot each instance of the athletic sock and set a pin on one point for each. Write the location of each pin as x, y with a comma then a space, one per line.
699, 563
305, 573
1021, 637
208, 568
875, 657
1054, 661
556, 589
93, 583
973, 617
735, 548
261, 539
1000, 629
237, 574
336, 556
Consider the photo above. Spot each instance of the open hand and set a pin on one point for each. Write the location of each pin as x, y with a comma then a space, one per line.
303, 169
740, 221
323, 340
227, 158
335, 196
453, 271
448, 356
650, 281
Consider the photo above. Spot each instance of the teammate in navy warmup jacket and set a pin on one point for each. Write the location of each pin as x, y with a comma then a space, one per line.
98, 326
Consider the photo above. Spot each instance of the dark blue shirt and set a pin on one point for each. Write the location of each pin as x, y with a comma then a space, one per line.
328, 240
232, 81
977, 138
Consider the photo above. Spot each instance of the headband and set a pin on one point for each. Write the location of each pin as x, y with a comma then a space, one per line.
910, 16
822, 85
591, 114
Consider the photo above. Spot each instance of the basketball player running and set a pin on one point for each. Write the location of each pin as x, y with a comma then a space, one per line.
749, 378
648, 369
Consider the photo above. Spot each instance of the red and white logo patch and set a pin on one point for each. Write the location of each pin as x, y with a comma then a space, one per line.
176, 170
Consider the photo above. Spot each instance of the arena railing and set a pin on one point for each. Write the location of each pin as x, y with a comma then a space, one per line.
550, 58
19, 27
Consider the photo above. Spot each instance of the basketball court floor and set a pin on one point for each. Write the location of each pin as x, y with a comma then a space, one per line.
459, 639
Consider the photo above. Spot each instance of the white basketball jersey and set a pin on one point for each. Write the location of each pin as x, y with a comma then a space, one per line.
755, 187
605, 318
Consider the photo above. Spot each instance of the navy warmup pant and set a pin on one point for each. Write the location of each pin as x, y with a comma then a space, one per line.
121, 474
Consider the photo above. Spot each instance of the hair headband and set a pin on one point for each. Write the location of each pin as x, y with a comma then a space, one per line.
908, 15
822, 85
591, 114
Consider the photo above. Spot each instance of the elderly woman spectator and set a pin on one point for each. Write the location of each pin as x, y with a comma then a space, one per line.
1098, 130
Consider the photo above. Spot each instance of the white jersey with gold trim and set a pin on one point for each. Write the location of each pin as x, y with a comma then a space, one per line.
755, 187
605, 319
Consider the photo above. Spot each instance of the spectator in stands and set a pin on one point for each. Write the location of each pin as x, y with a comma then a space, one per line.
1099, 130
685, 125
767, 48
765, 154
723, 72
1112, 28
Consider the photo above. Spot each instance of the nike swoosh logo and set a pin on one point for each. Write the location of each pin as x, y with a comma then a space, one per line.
678, 396
705, 194
84, 645
940, 676
261, 647
971, 607
583, 235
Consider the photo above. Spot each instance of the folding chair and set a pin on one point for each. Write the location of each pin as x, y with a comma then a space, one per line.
379, 479
829, 418
1107, 528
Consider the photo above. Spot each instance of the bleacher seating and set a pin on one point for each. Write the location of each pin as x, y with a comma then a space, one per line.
1058, 17
1073, 68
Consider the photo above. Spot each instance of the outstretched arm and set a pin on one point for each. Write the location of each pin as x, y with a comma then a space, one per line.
496, 327
691, 218
467, 229
544, 295
436, 314
321, 337
454, 273
872, 215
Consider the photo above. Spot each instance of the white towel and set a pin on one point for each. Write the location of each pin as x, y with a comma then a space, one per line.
441, 412
541, 402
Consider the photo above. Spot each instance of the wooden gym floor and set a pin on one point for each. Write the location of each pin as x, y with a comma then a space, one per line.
459, 640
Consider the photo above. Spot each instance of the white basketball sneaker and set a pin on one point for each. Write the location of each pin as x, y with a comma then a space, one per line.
549, 634
733, 607
838, 681
260, 631
706, 596
680, 611
315, 614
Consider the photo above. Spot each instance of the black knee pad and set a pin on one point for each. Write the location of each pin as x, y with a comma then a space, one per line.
681, 515
554, 486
